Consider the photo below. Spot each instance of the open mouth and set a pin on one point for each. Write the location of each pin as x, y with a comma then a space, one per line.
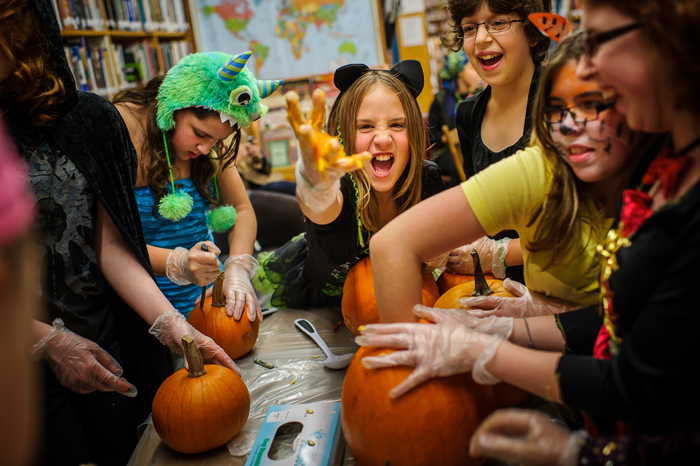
490, 60
381, 164
578, 154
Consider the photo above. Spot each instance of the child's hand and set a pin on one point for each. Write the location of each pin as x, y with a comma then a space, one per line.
320, 152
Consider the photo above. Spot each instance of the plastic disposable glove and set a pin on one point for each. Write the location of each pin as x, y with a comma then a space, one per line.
169, 328
526, 304
194, 266
238, 290
438, 262
526, 437
323, 161
501, 327
492, 255
435, 350
80, 364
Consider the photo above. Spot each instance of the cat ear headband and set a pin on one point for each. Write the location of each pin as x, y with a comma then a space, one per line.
219, 82
408, 71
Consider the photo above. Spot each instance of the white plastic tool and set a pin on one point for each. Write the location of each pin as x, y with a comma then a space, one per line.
332, 361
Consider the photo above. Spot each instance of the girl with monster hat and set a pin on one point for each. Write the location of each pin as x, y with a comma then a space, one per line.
178, 124
377, 116
94, 345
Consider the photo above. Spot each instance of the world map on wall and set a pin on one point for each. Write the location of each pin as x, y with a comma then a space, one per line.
290, 38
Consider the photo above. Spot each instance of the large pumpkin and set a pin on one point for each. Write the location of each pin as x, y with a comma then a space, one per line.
236, 337
202, 408
430, 424
359, 303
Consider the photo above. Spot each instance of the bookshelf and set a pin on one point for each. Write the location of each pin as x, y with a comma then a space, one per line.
113, 44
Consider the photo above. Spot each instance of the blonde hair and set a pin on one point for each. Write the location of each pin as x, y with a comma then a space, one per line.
407, 190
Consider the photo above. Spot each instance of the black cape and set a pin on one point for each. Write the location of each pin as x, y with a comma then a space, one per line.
91, 132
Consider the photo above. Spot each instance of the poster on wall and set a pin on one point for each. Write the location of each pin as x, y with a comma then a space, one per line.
292, 38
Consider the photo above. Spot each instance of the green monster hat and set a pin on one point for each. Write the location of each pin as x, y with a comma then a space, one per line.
219, 82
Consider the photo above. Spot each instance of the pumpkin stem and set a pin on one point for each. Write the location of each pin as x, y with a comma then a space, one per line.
193, 357
217, 294
481, 286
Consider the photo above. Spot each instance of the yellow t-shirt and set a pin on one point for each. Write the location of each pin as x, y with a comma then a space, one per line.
506, 195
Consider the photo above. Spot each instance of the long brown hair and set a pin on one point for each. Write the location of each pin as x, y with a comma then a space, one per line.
459, 9
35, 88
152, 160
343, 115
671, 31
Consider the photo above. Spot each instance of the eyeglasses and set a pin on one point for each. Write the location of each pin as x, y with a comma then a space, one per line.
498, 24
582, 113
592, 42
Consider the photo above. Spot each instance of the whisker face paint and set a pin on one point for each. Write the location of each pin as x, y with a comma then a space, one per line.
597, 149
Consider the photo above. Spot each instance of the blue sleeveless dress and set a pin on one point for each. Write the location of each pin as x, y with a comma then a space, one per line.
185, 233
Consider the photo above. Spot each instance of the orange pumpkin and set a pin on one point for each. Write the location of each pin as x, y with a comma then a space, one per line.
202, 408
236, 337
359, 303
479, 286
431, 293
448, 280
433, 421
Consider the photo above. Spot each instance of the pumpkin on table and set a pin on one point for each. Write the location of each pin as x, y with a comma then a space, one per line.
359, 304
236, 337
202, 408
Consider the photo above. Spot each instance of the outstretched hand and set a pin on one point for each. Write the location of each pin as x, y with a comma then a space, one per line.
320, 151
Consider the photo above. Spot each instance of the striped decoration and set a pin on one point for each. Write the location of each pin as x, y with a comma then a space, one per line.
268, 87
233, 66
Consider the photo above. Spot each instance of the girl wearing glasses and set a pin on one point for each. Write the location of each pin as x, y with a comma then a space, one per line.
507, 52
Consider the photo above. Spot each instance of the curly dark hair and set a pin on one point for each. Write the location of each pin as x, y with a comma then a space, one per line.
35, 87
672, 33
152, 161
459, 9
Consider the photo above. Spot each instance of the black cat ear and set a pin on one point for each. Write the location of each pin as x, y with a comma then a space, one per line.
411, 73
346, 75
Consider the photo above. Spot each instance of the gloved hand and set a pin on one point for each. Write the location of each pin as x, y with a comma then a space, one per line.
492, 254
238, 290
169, 328
526, 437
439, 261
501, 327
323, 161
435, 350
80, 364
194, 266
526, 304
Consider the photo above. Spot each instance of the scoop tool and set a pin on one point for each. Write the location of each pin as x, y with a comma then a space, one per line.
332, 361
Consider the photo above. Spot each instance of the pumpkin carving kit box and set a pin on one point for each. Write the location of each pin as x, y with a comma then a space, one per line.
299, 435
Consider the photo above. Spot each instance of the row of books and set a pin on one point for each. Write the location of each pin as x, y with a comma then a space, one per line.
105, 71
83, 15
121, 15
